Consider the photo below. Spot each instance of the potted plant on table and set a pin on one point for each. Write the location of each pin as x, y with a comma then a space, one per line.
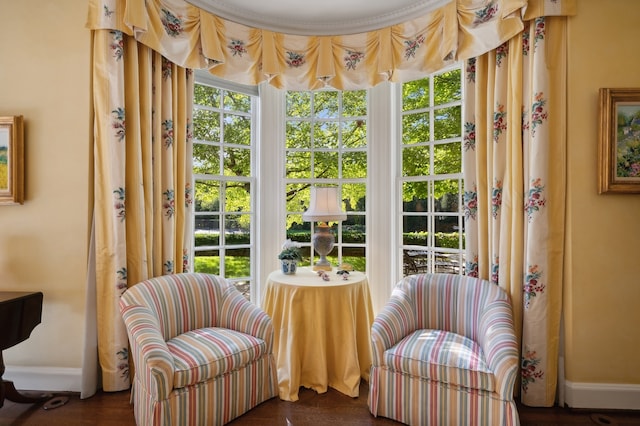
289, 257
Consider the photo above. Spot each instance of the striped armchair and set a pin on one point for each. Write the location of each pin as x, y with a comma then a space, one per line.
202, 353
444, 353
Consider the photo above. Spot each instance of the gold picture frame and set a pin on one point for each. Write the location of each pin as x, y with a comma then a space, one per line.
11, 160
619, 145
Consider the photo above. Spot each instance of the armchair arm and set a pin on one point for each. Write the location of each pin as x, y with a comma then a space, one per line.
153, 361
395, 321
237, 313
497, 338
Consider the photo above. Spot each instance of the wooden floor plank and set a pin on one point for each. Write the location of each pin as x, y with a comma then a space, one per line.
331, 408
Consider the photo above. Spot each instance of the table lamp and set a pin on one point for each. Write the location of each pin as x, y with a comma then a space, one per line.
324, 207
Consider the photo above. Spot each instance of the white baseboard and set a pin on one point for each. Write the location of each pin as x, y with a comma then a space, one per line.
612, 396
45, 378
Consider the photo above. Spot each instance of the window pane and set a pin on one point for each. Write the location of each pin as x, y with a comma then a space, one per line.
298, 165
447, 123
326, 104
354, 103
207, 261
337, 129
415, 95
237, 263
222, 161
354, 197
325, 134
354, 165
415, 197
414, 229
298, 134
206, 159
238, 197
356, 256
325, 165
448, 263
237, 162
447, 87
207, 230
447, 158
237, 129
207, 196
207, 96
415, 161
446, 232
297, 197
354, 134
415, 128
237, 229
354, 229
446, 194
206, 125
234, 101
298, 104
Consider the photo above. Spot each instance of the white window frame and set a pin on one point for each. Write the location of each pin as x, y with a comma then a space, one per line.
384, 130
204, 78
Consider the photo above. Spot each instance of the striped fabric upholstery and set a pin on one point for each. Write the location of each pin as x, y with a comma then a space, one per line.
444, 353
202, 353
441, 356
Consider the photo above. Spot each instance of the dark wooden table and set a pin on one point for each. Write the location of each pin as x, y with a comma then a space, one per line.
20, 312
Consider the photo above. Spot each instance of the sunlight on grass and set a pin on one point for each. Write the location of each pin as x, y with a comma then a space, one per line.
239, 266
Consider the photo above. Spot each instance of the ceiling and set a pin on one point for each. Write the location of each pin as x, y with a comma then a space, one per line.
322, 17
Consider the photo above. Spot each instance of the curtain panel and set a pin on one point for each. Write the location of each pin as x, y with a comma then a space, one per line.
142, 188
193, 38
515, 183
143, 89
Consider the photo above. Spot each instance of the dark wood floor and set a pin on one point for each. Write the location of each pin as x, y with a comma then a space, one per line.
331, 408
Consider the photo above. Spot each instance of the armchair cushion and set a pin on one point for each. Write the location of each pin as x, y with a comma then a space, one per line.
443, 357
444, 352
203, 354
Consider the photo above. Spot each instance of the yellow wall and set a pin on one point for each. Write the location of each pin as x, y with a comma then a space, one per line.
44, 75
603, 287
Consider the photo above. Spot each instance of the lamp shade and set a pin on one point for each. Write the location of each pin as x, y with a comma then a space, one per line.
324, 206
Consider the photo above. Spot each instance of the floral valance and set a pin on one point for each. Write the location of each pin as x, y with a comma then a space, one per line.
194, 38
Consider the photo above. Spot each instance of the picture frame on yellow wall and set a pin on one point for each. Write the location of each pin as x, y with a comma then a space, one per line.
619, 142
11, 160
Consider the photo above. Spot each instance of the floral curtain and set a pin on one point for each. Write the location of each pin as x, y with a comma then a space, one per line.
142, 189
142, 94
515, 181
193, 38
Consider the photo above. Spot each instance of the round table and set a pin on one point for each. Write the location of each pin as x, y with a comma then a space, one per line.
322, 330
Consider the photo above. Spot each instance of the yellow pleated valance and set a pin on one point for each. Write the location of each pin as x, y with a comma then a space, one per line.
194, 38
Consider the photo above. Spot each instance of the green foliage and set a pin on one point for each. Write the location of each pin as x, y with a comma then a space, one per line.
4, 176
290, 253
628, 142
442, 239
333, 126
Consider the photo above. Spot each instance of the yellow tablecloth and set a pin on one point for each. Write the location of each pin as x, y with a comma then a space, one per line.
322, 331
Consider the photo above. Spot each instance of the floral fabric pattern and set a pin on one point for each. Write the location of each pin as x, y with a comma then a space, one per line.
125, 178
532, 284
471, 204
536, 199
538, 114
530, 369
412, 46
499, 122
249, 55
513, 176
496, 198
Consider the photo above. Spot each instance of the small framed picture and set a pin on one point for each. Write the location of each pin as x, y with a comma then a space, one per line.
11, 160
619, 145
